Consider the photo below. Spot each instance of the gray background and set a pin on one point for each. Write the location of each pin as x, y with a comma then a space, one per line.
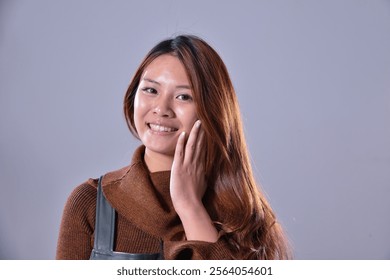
312, 78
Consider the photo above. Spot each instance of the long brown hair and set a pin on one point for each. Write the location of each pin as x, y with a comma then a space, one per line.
233, 199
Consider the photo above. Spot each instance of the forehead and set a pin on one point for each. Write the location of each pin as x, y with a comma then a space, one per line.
166, 67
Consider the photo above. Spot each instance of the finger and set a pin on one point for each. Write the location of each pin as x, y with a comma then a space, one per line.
179, 150
200, 149
191, 142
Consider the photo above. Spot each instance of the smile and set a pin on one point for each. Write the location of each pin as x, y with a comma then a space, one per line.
160, 128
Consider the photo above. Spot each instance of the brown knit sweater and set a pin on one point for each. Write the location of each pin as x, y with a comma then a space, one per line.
145, 217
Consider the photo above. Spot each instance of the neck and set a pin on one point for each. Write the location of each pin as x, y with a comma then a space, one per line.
157, 162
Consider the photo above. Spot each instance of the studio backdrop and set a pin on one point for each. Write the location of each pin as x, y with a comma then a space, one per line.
312, 79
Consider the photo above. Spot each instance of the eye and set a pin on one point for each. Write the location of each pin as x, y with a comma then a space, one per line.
149, 90
184, 97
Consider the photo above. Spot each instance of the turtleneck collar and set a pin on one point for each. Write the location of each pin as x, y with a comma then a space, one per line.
143, 197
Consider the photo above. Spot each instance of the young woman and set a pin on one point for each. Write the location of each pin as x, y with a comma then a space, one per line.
189, 192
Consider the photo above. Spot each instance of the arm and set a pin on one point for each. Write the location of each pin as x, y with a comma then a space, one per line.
198, 250
76, 231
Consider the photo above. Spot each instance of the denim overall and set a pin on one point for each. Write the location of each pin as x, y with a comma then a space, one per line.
105, 234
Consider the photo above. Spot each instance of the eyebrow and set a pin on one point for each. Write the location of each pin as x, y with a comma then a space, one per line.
157, 83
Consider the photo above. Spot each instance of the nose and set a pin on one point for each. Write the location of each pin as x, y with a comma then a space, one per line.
163, 108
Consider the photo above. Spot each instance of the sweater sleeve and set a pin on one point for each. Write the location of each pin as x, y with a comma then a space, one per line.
198, 250
75, 240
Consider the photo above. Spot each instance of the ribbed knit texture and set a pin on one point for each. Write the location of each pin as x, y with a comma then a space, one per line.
145, 217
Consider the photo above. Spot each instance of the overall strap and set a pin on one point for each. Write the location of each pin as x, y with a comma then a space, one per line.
105, 231
104, 224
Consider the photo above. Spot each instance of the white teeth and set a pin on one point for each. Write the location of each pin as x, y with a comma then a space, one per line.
160, 128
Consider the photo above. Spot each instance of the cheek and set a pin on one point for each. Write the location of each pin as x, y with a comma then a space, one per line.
137, 102
139, 110
188, 117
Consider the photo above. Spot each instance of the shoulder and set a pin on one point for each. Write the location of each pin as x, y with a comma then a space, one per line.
85, 193
113, 176
82, 200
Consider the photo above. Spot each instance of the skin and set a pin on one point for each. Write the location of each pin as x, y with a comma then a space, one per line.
167, 124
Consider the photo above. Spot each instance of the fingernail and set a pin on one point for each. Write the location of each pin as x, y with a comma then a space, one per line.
198, 123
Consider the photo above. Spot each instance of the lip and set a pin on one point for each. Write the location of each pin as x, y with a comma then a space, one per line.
161, 128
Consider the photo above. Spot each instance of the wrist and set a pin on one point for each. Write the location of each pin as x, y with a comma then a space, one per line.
190, 210
197, 223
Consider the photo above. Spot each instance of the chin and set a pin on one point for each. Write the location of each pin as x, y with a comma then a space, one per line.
166, 151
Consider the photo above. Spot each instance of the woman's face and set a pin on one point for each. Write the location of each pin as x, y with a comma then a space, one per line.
163, 105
